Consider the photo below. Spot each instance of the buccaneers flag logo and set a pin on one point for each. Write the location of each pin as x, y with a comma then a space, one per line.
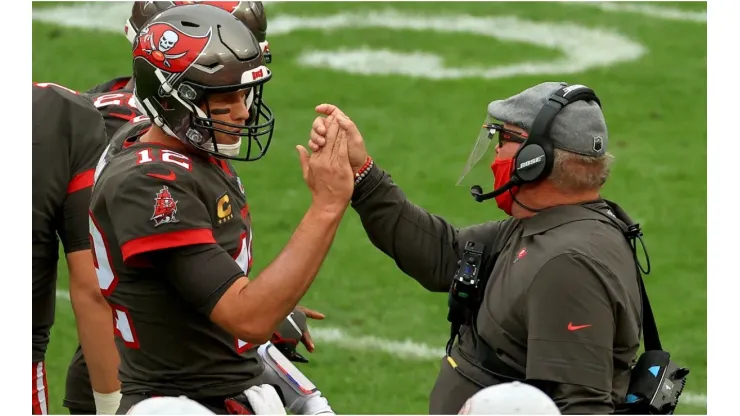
229, 6
165, 208
168, 48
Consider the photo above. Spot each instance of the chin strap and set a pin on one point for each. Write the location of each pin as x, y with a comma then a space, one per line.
227, 149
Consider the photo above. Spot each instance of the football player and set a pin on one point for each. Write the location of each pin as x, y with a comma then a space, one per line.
115, 100
170, 223
68, 139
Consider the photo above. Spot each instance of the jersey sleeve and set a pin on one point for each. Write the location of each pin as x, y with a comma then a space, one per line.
571, 324
156, 207
86, 139
186, 266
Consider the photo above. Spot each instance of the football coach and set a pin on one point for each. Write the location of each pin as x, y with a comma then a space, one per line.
549, 296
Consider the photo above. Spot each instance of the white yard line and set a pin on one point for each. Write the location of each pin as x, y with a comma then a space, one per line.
658, 12
580, 48
406, 350
109, 15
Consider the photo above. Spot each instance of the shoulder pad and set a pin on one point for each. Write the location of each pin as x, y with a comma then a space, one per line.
115, 84
58, 110
117, 108
50, 96
121, 104
129, 133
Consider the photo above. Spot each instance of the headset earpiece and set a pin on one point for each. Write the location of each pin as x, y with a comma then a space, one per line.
532, 162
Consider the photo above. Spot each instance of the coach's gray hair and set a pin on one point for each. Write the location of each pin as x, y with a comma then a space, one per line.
572, 172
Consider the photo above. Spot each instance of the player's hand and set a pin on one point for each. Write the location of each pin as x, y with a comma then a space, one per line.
306, 339
264, 400
294, 329
327, 172
356, 145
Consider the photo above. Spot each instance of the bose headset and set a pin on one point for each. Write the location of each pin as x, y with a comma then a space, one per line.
534, 159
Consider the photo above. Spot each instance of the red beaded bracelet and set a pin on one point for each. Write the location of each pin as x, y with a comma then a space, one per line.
360, 175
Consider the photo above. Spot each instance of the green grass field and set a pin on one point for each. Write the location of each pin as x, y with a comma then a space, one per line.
649, 72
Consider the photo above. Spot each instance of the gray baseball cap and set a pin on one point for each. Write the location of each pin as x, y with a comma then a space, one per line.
579, 127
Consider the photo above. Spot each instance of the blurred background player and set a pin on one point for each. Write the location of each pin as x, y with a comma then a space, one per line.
68, 138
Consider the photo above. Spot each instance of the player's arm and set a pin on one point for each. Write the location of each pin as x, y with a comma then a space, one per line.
571, 327
424, 246
251, 310
186, 252
92, 313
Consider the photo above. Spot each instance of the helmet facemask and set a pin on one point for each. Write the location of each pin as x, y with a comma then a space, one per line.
198, 127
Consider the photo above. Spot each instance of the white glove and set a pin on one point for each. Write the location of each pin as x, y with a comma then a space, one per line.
265, 400
301, 395
316, 405
107, 403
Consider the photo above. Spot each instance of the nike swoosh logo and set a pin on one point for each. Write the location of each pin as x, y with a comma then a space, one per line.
170, 177
572, 327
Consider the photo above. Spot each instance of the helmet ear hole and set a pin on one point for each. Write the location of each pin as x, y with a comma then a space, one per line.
187, 92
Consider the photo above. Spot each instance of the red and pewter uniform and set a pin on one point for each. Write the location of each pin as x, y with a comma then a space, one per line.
149, 198
68, 139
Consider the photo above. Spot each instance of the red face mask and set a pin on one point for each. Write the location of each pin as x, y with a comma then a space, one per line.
502, 169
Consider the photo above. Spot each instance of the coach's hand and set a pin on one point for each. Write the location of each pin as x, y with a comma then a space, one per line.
356, 145
327, 172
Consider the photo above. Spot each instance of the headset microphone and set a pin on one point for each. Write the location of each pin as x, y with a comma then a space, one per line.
477, 192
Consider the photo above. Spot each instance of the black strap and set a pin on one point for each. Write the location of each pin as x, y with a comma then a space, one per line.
649, 327
490, 262
486, 269
632, 233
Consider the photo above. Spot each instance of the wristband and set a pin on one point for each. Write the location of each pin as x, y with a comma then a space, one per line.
360, 175
107, 403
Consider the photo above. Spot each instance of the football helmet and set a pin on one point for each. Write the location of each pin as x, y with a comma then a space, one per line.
251, 13
185, 53
514, 398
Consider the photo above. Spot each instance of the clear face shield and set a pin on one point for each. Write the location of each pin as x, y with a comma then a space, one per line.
492, 132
